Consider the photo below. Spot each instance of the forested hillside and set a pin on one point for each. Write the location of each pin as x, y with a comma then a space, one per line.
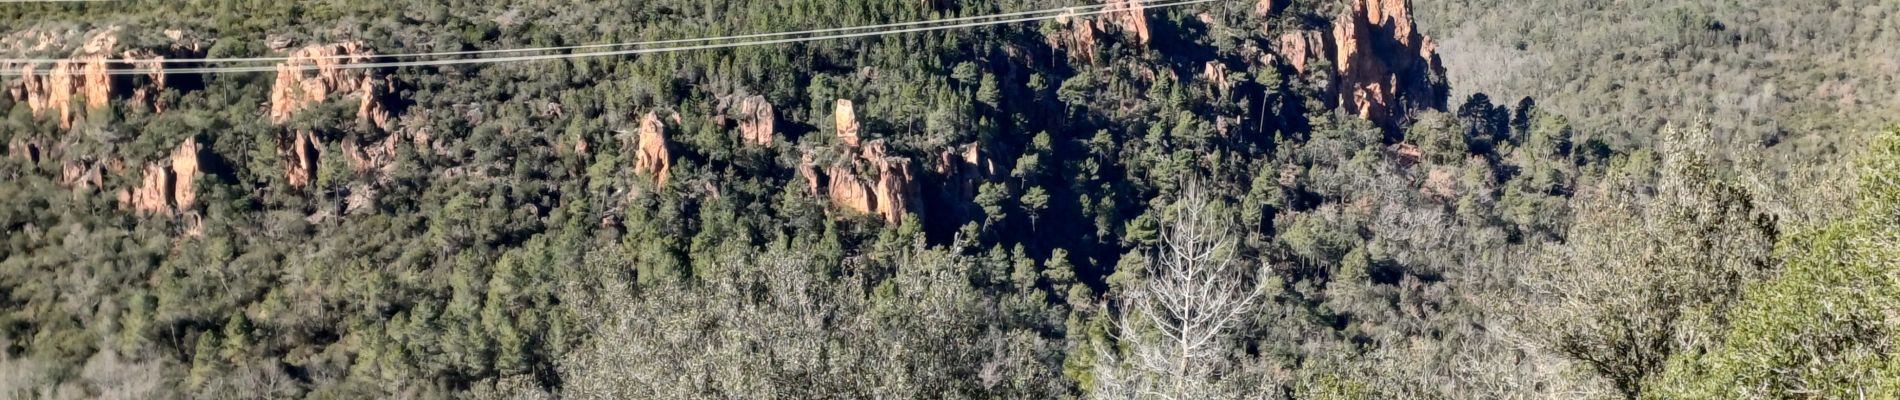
1298, 199
1785, 83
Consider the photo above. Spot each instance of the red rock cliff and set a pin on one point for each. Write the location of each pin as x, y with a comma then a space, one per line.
1080, 34
313, 74
1384, 68
69, 87
890, 192
170, 185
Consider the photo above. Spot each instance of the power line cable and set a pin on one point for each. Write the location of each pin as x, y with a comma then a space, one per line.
464, 61
574, 47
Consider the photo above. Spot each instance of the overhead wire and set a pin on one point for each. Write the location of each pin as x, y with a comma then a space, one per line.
572, 47
1059, 13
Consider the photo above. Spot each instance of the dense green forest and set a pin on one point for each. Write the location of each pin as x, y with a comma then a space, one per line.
1275, 199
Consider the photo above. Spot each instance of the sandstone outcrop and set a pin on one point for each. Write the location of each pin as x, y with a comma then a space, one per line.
86, 77
1080, 34
895, 191
757, 121
371, 156
1267, 7
29, 150
315, 73
1215, 73
845, 115
300, 158
1384, 67
168, 186
964, 168
890, 191
185, 167
651, 156
809, 170
847, 190
1300, 47
1129, 17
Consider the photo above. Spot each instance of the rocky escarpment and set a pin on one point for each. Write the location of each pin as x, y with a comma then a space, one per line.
66, 89
316, 74
313, 74
1300, 47
1384, 67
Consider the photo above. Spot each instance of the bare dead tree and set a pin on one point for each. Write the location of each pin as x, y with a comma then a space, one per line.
1176, 324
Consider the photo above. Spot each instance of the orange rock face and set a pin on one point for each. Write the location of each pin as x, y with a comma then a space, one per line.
1385, 68
168, 187
314, 73
1267, 7
847, 190
757, 121
86, 78
1301, 47
845, 115
300, 158
185, 161
1215, 73
1128, 17
963, 169
651, 157
895, 191
890, 192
